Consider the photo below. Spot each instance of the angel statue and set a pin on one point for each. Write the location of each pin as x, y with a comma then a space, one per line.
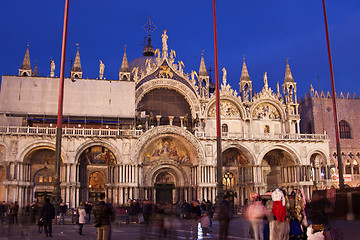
181, 65
193, 74
172, 54
135, 73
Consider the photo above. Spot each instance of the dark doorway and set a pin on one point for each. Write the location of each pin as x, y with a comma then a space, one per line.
41, 196
164, 193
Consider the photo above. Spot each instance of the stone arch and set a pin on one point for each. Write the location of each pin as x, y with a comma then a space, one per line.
321, 153
197, 151
180, 176
89, 144
170, 84
231, 99
273, 103
36, 145
247, 152
295, 156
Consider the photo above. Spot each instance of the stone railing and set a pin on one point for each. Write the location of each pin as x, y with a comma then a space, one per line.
82, 132
264, 136
99, 132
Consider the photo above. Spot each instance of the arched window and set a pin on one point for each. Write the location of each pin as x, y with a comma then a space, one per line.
225, 128
355, 167
347, 167
228, 181
344, 129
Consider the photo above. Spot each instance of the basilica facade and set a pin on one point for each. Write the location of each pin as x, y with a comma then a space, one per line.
151, 134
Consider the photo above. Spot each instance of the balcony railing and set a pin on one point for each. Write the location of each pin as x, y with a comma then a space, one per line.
264, 136
99, 132
84, 132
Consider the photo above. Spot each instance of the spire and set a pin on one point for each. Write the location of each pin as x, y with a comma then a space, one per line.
36, 70
76, 70
26, 62
202, 69
125, 65
25, 69
244, 72
288, 75
77, 64
149, 28
124, 73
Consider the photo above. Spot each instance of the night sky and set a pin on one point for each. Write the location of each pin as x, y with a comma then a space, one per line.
266, 32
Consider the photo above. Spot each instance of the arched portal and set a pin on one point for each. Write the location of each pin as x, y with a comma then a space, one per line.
96, 163
41, 162
164, 186
278, 168
237, 170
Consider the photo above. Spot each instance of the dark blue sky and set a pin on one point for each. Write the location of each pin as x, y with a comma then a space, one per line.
266, 32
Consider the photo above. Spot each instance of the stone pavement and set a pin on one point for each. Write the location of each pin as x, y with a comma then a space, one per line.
187, 229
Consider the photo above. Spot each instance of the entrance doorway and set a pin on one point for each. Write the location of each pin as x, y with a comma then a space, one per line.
164, 187
164, 193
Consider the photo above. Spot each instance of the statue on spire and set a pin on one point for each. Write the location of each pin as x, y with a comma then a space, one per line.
164, 42
52, 68
101, 70
224, 76
265, 80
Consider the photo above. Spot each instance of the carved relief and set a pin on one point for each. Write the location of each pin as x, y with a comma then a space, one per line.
227, 109
266, 111
14, 146
208, 150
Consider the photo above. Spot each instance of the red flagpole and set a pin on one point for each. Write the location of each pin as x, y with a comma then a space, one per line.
338, 146
217, 94
57, 192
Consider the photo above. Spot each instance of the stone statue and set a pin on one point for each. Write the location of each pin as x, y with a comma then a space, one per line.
101, 69
193, 74
224, 76
277, 88
181, 65
172, 54
164, 42
265, 80
52, 68
135, 72
157, 52
148, 66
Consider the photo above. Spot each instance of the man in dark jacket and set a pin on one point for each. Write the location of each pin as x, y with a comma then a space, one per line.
47, 215
224, 216
104, 214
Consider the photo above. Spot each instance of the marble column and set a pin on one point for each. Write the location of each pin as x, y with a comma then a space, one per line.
171, 119
181, 121
158, 117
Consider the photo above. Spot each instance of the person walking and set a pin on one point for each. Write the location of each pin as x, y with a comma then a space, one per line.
103, 214
62, 212
47, 215
82, 217
255, 214
224, 216
14, 210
